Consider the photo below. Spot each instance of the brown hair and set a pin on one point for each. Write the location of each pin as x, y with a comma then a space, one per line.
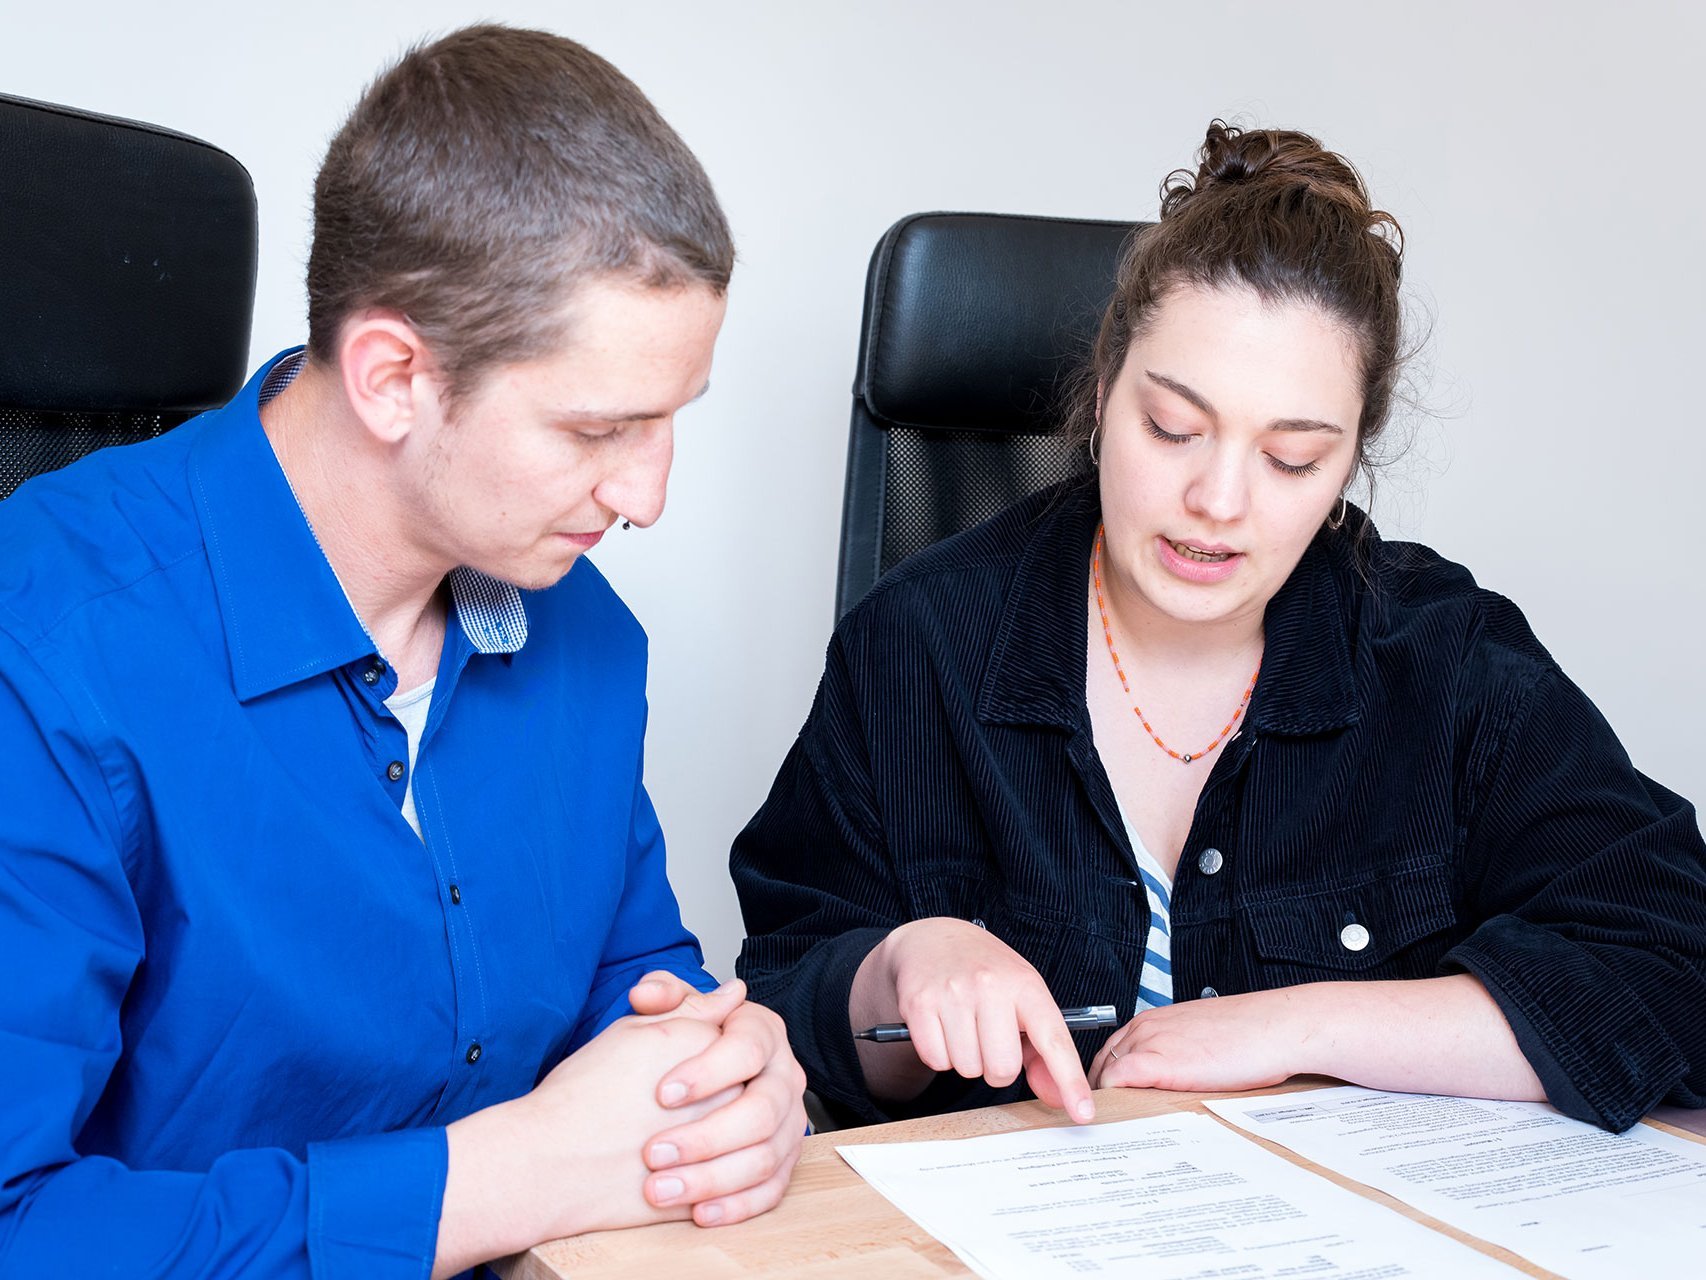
481, 177
1273, 211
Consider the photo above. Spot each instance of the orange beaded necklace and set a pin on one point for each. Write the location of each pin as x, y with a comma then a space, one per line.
1108, 635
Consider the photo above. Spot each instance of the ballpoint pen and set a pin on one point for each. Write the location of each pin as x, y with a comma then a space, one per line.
1095, 1015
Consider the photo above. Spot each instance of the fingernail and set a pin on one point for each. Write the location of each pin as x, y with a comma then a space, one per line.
711, 1214
666, 1189
672, 1093
664, 1154
1085, 1109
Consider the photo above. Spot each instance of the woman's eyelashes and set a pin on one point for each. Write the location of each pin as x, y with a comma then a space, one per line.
1160, 433
1294, 468
1155, 429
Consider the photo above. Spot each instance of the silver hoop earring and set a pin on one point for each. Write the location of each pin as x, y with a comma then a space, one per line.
1337, 521
1095, 434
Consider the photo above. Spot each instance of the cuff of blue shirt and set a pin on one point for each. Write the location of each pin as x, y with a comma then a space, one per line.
374, 1204
1600, 1055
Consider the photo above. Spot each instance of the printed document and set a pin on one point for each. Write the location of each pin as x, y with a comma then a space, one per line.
1176, 1197
1564, 1195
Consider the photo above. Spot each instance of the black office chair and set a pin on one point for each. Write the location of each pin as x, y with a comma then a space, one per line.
127, 256
973, 323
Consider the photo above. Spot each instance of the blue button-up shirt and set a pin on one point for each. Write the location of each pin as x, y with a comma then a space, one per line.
241, 997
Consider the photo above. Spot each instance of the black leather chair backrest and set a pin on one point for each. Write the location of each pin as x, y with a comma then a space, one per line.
127, 282
973, 324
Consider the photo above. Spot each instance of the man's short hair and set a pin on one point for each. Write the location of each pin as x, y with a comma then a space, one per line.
483, 176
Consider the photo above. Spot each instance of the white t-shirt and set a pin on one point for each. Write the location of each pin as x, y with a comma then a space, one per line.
411, 711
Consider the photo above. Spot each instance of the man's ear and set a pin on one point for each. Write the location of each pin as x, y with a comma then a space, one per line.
389, 376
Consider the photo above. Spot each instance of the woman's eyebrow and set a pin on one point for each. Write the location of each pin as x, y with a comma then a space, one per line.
1180, 389
1200, 401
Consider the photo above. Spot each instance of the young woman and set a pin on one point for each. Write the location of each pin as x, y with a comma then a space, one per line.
1188, 737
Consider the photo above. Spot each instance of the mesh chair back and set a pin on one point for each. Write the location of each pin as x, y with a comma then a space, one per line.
128, 254
973, 325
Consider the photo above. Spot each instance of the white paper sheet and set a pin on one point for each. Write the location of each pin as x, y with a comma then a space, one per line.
1176, 1197
1568, 1197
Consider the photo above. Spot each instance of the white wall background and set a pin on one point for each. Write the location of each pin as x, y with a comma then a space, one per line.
1544, 161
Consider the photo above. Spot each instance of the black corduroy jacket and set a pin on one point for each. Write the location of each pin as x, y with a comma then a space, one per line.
1413, 761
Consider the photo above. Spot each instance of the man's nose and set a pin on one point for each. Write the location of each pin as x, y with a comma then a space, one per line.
636, 487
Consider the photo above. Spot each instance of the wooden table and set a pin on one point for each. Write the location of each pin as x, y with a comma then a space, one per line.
831, 1225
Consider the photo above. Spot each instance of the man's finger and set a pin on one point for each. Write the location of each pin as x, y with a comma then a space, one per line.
726, 1174
747, 1204
664, 993
659, 992
752, 1037
751, 1115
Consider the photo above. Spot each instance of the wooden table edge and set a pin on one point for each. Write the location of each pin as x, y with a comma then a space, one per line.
724, 1251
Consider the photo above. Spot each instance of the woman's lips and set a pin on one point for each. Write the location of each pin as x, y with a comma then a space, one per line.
1206, 553
1195, 563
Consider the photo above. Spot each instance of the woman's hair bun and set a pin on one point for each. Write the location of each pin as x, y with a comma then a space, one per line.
1269, 158
1274, 212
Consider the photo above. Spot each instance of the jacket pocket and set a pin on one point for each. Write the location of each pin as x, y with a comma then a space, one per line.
1395, 925
1033, 929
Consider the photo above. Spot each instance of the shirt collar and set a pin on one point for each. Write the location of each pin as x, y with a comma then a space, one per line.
286, 616
1036, 667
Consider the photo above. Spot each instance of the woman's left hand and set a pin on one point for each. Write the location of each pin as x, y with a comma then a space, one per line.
1230, 1042
1421, 1035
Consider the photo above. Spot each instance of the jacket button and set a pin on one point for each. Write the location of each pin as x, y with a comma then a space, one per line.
1354, 937
473, 1053
455, 896
1209, 993
1210, 861
394, 770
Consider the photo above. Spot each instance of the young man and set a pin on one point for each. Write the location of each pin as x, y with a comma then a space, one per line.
327, 873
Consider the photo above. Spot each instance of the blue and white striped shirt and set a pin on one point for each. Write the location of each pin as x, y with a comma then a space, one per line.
1155, 984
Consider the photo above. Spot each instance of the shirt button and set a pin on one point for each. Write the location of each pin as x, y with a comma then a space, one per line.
455, 896
1209, 993
473, 1053
1354, 936
394, 770
1209, 861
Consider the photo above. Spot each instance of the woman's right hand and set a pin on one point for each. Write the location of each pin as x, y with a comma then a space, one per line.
973, 1005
